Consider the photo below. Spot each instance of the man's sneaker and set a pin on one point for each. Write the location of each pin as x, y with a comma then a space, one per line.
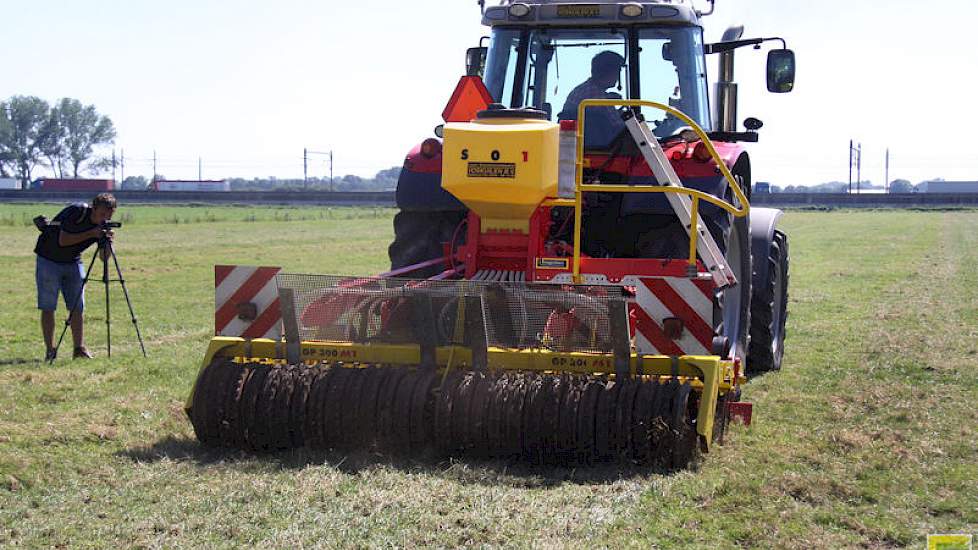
81, 353
51, 355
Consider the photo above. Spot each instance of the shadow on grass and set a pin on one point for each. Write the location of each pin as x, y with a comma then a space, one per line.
464, 470
20, 361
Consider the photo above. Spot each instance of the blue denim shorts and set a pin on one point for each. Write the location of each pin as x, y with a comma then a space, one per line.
52, 278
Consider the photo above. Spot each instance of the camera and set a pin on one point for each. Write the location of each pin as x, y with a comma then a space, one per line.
105, 226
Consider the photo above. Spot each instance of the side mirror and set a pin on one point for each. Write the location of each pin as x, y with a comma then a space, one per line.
475, 61
780, 71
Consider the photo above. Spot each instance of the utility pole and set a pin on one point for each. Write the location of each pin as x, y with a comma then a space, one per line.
850, 166
122, 165
886, 180
305, 164
113, 166
154, 164
858, 150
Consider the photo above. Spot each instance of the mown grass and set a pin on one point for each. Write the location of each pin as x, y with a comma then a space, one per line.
866, 439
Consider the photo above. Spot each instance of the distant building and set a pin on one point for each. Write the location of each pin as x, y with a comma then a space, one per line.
948, 187
189, 185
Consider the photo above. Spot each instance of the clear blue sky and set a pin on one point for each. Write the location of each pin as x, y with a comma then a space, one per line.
246, 84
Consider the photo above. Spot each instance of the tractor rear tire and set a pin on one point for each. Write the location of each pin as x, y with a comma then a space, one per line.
769, 311
418, 237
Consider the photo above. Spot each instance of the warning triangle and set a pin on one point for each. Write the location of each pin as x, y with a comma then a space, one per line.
470, 97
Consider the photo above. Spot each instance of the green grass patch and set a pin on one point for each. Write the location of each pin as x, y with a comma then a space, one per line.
867, 438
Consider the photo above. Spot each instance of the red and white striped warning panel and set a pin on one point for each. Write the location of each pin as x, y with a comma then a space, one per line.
673, 316
246, 302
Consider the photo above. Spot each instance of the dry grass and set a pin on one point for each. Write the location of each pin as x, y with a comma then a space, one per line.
867, 439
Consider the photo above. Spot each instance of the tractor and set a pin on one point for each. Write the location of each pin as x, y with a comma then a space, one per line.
577, 274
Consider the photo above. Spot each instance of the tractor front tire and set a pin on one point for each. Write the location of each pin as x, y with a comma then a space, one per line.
769, 311
418, 237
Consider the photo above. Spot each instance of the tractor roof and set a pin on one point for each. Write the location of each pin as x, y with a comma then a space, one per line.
597, 13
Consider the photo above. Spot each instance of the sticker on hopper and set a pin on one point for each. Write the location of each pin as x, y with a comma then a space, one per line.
492, 170
552, 263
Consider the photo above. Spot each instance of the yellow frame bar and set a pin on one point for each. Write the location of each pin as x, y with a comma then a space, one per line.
696, 195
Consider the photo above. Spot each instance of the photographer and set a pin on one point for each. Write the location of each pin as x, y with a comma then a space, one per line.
59, 265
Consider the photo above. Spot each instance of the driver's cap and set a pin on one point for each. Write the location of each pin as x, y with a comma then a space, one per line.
606, 62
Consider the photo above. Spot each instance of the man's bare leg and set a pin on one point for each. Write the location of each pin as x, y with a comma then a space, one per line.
47, 328
78, 329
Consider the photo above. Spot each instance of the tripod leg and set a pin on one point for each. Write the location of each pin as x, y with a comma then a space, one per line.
74, 305
125, 292
108, 311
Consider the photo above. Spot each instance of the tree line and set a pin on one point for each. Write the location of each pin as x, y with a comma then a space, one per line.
896, 186
63, 137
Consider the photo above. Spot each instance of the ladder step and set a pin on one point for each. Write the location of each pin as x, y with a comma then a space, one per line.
681, 204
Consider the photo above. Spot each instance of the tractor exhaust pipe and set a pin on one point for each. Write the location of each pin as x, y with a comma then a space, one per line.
726, 91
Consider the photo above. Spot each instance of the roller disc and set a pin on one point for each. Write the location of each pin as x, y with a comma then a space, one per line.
403, 400
204, 400
549, 396
386, 413
513, 405
624, 418
479, 414
605, 420
641, 419
496, 413
586, 417
265, 406
443, 412
297, 407
335, 402
685, 434
315, 416
567, 423
422, 411
660, 437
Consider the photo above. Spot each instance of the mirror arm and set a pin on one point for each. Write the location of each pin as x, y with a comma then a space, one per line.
720, 47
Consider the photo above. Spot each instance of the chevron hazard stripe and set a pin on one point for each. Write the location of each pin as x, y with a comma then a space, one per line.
246, 302
661, 298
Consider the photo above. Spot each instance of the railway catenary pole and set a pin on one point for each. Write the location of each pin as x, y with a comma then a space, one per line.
886, 176
850, 166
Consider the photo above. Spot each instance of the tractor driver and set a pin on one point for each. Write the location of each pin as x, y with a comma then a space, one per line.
602, 123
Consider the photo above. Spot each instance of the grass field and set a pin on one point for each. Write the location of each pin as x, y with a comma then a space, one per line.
868, 438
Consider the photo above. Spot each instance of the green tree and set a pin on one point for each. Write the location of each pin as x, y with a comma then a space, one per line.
6, 133
134, 183
901, 186
26, 130
75, 131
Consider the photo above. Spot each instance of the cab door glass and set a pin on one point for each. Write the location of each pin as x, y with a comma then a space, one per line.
673, 72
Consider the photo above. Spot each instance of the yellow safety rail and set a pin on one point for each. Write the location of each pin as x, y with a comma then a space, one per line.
580, 188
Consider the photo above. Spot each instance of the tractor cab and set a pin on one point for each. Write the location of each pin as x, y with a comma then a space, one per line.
553, 68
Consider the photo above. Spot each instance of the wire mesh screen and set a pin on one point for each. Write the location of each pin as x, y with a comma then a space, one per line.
411, 311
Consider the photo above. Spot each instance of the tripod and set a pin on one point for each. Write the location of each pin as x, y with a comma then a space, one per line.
104, 251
